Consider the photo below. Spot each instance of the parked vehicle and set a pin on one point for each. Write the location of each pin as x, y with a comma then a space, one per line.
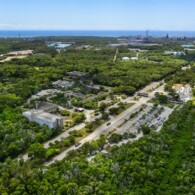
77, 144
108, 124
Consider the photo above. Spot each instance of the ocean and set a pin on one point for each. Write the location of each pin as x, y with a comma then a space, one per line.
40, 33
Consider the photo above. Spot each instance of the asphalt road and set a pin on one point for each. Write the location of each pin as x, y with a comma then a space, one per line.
105, 129
114, 122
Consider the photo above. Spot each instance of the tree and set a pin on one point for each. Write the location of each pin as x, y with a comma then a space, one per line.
51, 152
162, 99
114, 110
105, 115
102, 107
78, 118
36, 150
115, 138
145, 129
65, 113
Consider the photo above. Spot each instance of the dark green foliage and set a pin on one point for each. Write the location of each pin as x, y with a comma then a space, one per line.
156, 164
160, 163
78, 118
114, 110
36, 150
65, 113
105, 116
102, 107
184, 77
9, 100
162, 99
17, 134
115, 138
60, 99
145, 129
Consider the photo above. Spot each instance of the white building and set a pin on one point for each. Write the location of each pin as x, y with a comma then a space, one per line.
63, 84
44, 118
184, 92
125, 58
135, 58
175, 53
132, 58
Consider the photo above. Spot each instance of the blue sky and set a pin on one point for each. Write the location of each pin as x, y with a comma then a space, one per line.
97, 14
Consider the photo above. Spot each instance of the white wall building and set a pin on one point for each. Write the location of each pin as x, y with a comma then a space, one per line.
44, 118
63, 84
135, 58
125, 58
185, 93
175, 53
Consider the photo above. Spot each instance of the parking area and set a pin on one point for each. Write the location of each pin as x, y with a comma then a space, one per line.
152, 117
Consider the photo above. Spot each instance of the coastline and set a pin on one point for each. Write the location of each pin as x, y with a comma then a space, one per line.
95, 33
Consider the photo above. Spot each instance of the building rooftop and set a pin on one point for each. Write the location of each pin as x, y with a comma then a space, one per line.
185, 92
49, 117
125, 58
42, 115
177, 87
63, 84
77, 73
45, 106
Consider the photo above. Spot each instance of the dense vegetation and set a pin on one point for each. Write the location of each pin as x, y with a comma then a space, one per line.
124, 76
156, 164
38, 46
184, 77
21, 78
17, 134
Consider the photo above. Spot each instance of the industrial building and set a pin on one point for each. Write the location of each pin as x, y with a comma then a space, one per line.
44, 118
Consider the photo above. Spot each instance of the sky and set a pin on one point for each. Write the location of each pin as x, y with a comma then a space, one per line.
97, 15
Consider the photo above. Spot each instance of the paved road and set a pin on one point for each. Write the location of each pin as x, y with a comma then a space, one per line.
165, 114
115, 56
12, 57
59, 137
64, 135
129, 126
103, 129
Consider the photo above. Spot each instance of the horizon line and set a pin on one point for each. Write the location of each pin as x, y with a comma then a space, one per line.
96, 30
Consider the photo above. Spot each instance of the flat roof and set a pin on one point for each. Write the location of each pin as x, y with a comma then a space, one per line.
46, 105
42, 115
48, 116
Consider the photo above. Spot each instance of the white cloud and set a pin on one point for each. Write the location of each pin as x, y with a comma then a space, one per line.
5, 26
